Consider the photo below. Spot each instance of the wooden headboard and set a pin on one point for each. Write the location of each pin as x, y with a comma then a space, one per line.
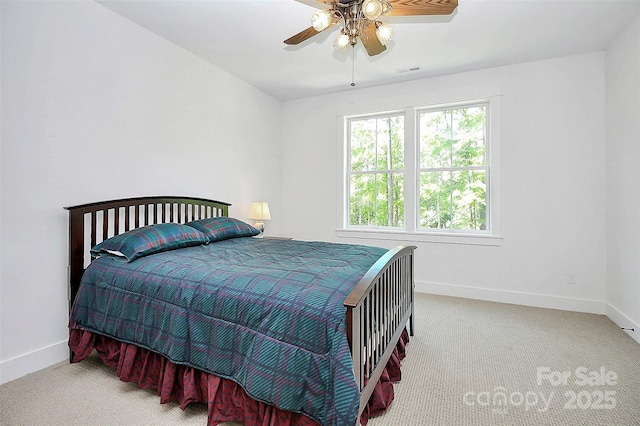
92, 223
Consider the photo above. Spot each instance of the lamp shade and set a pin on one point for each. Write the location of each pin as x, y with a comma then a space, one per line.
342, 41
384, 33
259, 210
372, 9
321, 20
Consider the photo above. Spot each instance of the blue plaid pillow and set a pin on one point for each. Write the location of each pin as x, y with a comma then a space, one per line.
223, 228
150, 239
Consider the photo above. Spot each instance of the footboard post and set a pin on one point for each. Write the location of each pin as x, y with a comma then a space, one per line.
412, 283
378, 310
354, 335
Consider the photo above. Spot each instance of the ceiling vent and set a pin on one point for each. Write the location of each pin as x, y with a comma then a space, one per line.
408, 69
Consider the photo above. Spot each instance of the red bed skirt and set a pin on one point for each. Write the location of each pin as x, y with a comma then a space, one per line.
226, 400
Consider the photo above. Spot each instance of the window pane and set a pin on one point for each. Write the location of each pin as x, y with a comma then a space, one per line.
453, 138
469, 199
469, 148
397, 142
390, 199
362, 199
453, 200
377, 144
390, 143
382, 200
382, 144
435, 139
362, 144
377, 199
397, 206
435, 200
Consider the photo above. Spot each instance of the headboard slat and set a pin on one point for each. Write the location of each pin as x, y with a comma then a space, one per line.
127, 218
93, 228
105, 224
116, 221
137, 213
148, 215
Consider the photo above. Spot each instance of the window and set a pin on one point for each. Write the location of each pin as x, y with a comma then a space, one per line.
426, 173
376, 172
453, 168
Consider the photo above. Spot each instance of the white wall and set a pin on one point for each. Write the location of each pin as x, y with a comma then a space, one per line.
552, 174
95, 107
623, 178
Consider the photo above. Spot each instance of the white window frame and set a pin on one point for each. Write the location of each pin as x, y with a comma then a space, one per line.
411, 233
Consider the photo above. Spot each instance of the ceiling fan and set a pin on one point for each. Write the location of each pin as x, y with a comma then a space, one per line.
359, 19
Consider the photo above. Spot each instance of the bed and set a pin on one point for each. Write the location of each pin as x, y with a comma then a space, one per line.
283, 331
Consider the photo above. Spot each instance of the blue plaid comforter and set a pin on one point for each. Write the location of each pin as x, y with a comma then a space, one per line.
267, 314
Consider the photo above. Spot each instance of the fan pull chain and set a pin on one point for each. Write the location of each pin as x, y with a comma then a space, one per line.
353, 65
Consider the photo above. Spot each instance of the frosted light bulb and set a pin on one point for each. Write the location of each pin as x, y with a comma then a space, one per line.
321, 20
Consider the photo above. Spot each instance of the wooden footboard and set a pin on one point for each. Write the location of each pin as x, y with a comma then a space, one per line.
378, 310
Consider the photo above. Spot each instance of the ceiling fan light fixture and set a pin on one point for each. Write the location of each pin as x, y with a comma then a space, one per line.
359, 20
321, 19
372, 9
384, 32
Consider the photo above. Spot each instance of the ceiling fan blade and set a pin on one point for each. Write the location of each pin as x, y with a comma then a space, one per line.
422, 7
302, 36
314, 3
370, 41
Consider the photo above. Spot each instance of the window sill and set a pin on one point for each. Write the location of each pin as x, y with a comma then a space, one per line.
422, 237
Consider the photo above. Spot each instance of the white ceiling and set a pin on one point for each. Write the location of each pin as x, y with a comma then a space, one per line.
245, 38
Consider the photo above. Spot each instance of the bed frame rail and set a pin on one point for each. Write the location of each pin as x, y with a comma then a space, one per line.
378, 310
92, 223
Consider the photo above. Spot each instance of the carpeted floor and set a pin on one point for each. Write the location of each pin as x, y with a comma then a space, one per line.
470, 363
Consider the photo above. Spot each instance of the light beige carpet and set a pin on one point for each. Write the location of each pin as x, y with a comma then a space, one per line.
470, 363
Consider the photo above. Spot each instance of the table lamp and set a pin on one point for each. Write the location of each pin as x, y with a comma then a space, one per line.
259, 211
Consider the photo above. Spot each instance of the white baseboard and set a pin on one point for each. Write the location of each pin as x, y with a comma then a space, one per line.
623, 322
31, 362
513, 297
